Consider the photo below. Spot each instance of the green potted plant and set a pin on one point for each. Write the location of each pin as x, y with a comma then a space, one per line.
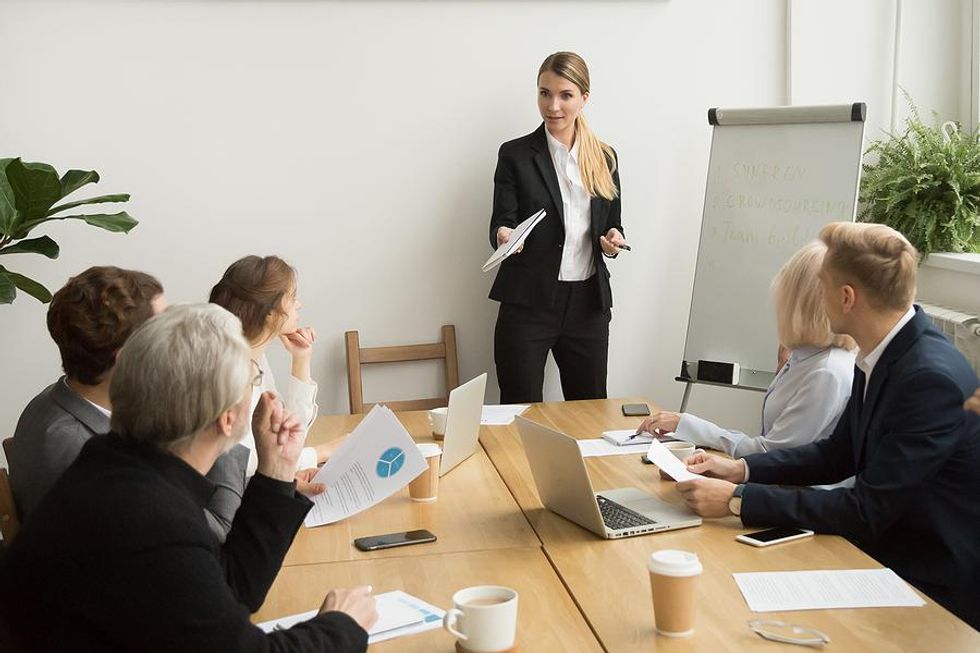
925, 183
31, 194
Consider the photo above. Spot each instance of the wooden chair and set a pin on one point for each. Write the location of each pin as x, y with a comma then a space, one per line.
358, 356
9, 521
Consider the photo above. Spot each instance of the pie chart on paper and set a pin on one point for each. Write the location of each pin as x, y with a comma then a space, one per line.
390, 462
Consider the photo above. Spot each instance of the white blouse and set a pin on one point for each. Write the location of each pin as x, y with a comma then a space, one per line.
299, 399
802, 405
576, 254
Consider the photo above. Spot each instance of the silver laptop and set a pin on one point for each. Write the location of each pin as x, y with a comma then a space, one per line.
463, 423
564, 487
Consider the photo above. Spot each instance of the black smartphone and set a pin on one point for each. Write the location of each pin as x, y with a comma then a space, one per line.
773, 536
635, 410
375, 542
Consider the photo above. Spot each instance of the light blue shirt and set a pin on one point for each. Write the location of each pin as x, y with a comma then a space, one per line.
802, 405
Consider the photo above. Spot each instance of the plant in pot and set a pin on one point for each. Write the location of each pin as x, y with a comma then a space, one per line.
925, 183
32, 194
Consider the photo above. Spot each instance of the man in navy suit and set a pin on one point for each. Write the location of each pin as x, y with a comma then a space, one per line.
915, 452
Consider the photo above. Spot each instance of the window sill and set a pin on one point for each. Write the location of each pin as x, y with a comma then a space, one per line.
965, 263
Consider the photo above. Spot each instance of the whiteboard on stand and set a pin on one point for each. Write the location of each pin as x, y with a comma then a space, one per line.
776, 176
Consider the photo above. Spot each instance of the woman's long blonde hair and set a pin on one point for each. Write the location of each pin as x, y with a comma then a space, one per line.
596, 159
798, 295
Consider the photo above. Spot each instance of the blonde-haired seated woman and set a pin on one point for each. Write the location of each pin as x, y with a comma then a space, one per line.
811, 388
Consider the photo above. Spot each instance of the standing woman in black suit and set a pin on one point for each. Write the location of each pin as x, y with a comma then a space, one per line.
554, 295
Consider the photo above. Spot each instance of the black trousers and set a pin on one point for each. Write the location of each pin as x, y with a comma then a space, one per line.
575, 330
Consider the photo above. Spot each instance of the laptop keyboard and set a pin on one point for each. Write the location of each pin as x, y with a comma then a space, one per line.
617, 517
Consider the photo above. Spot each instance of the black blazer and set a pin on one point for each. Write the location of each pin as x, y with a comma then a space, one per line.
118, 557
524, 183
915, 504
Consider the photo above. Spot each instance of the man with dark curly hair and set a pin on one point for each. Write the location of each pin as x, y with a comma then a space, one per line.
89, 319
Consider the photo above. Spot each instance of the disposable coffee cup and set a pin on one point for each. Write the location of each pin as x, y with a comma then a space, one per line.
437, 420
425, 486
483, 619
673, 582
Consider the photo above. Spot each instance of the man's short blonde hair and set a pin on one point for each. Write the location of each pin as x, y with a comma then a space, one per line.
800, 317
875, 258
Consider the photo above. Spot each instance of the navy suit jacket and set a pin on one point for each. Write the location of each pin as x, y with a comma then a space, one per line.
915, 504
524, 183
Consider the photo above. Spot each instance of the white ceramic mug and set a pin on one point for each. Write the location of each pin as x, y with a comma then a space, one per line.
483, 618
437, 418
682, 450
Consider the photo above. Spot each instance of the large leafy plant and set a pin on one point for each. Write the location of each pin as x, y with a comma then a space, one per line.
32, 194
926, 184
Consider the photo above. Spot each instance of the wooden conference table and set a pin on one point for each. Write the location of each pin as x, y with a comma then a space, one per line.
482, 541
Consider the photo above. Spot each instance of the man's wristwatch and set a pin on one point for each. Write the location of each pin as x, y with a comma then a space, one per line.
735, 503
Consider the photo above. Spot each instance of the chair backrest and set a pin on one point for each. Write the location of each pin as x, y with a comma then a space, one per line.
9, 521
358, 356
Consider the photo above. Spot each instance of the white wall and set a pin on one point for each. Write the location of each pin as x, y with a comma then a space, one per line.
358, 140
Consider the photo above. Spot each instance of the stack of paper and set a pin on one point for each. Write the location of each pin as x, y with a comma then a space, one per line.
398, 614
376, 460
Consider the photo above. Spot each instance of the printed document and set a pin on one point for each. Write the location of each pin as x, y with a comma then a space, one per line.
501, 415
517, 238
778, 591
376, 460
398, 614
668, 463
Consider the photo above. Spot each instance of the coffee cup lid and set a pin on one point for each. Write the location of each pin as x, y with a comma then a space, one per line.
670, 562
429, 449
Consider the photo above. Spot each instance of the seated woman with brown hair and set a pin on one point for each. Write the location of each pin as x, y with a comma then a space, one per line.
262, 293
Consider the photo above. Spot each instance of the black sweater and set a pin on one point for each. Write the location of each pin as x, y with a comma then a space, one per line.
118, 556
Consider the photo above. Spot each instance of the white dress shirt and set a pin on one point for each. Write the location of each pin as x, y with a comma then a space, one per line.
866, 363
299, 399
576, 254
802, 405
104, 411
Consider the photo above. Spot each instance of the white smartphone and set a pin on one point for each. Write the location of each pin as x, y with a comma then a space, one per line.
773, 536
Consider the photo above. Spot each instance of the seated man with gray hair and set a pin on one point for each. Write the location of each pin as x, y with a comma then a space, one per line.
118, 555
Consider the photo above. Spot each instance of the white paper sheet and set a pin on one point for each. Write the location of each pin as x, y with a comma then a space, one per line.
501, 415
375, 461
779, 591
668, 463
600, 447
517, 237
399, 614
